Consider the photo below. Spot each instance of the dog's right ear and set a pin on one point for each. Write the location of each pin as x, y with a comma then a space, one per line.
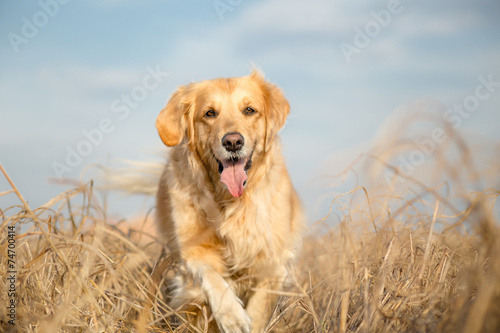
171, 123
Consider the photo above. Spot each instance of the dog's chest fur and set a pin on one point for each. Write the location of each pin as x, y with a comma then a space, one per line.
244, 230
245, 233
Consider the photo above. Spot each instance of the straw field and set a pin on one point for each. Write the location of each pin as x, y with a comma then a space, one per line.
406, 259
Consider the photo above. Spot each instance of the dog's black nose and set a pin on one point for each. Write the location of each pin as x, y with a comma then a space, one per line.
233, 142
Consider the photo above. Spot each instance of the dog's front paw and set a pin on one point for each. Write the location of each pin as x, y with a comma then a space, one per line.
232, 318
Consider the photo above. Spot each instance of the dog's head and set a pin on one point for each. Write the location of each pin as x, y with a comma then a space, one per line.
226, 122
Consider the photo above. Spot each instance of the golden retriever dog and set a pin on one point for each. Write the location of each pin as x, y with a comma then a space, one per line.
225, 202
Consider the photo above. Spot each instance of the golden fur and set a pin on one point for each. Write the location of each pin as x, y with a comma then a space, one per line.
234, 249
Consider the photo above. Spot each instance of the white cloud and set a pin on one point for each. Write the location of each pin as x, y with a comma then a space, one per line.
88, 79
285, 16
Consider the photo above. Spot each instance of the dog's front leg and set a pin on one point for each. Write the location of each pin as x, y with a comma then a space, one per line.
226, 307
201, 254
261, 304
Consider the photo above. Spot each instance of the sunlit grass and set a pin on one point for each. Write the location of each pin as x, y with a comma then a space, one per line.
397, 260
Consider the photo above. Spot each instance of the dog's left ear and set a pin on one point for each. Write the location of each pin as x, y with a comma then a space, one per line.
277, 108
171, 123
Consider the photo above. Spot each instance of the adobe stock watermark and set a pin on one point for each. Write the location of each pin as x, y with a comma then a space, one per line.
372, 29
223, 6
11, 276
454, 116
32, 26
121, 108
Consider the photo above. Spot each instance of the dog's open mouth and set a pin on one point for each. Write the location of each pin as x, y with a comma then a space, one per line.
233, 173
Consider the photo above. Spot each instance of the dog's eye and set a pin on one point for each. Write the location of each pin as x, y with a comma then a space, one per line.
249, 111
210, 114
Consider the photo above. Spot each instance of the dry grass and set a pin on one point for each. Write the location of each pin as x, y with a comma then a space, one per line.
396, 262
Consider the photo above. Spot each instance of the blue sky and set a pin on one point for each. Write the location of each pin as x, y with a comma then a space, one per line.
66, 65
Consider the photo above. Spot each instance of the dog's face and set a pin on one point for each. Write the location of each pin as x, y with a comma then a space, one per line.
226, 122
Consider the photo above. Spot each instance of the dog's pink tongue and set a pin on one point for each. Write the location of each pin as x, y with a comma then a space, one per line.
234, 176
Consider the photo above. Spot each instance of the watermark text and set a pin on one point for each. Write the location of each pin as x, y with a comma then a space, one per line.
453, 116
32, 26
11, 275
121, 108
